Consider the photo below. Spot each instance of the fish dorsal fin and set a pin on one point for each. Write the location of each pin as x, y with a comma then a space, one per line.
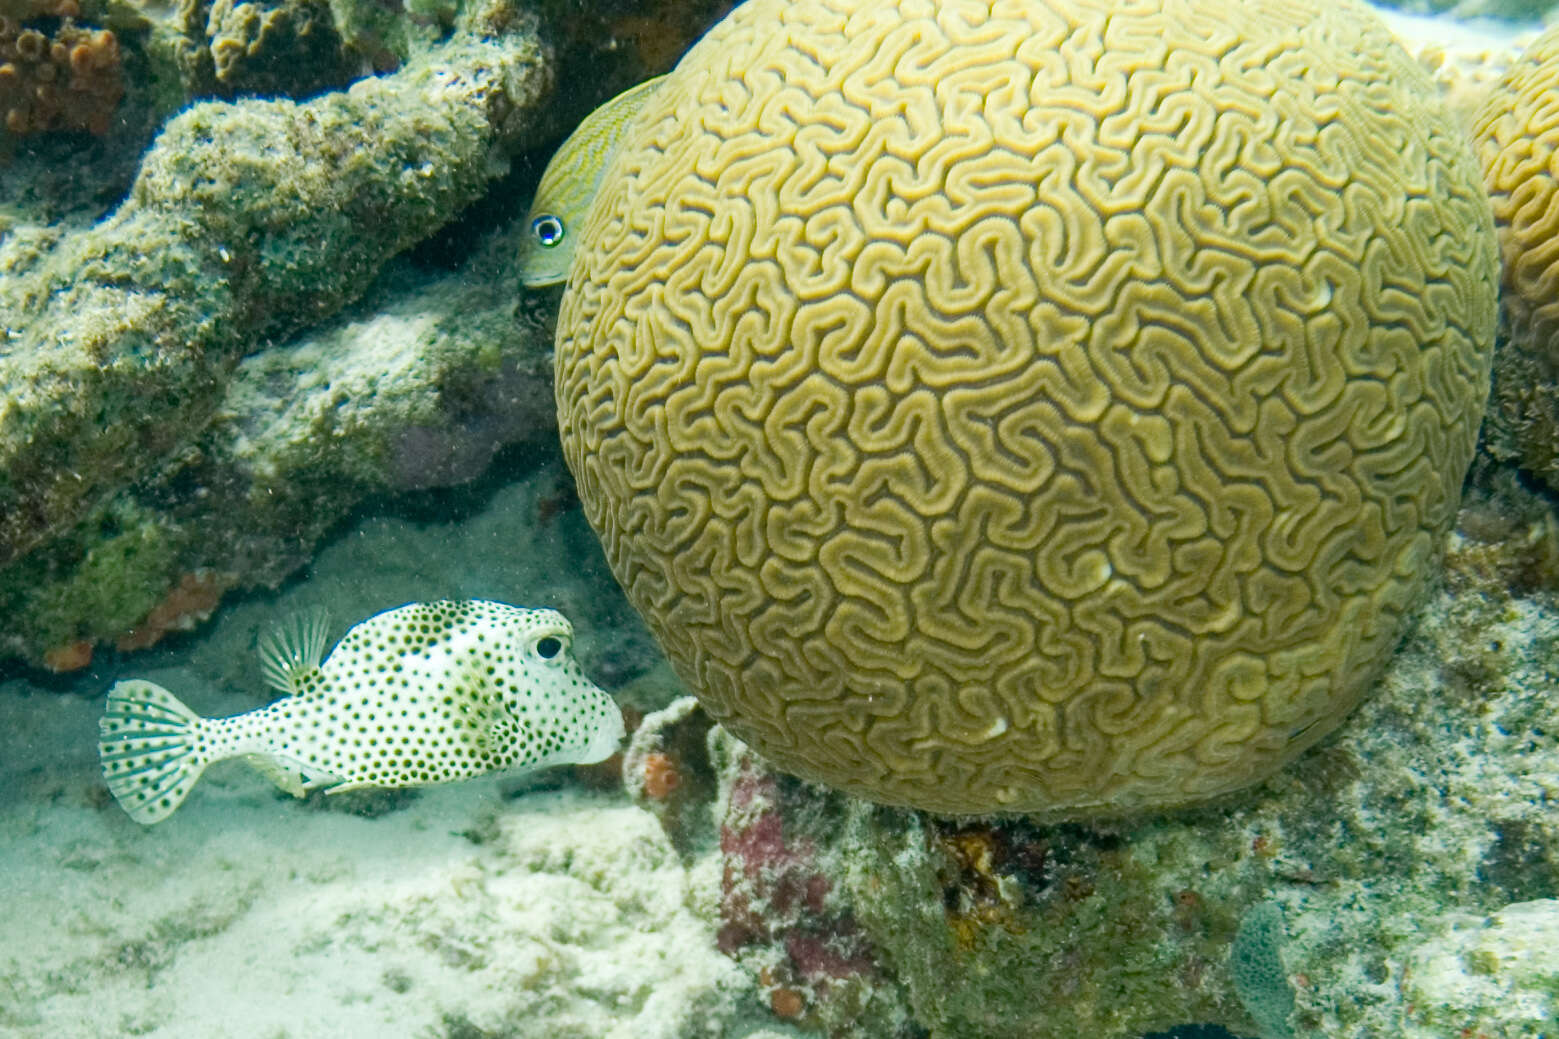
293, 649
569, 184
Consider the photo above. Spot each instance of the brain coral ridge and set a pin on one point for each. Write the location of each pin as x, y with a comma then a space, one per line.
1517, 133
1042, 407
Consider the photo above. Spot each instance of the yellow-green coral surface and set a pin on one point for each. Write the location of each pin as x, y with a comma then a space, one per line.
1043, 406
1517, 131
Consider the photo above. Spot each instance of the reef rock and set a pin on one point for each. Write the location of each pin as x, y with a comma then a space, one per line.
196, 386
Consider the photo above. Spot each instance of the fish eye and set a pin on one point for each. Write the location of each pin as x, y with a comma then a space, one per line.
549, 647
548, 229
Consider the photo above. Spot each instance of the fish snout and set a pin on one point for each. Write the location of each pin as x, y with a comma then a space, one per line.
607, 738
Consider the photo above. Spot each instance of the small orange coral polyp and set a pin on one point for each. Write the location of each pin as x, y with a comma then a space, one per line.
72, 656
67, 80
30, 45
104, 49
661, 777
787, 1003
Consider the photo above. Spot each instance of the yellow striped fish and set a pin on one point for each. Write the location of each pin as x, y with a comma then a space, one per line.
569, 183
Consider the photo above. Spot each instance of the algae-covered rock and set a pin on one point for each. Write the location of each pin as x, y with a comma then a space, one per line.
186, 50
788, 911
179, 372
146, 405
1509, 958
417, 385
246, 220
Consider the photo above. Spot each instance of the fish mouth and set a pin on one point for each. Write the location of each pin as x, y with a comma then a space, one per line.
607, 739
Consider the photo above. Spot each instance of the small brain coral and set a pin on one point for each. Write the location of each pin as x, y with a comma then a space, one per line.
1517, 135
1049, 406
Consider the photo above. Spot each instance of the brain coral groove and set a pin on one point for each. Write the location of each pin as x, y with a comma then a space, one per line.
1042, 406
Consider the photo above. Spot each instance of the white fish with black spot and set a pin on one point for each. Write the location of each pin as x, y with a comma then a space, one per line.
425, 693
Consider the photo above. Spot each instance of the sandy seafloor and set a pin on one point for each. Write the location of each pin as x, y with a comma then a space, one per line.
497, 907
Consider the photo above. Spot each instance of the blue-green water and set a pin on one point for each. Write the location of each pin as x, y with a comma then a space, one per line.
265, 350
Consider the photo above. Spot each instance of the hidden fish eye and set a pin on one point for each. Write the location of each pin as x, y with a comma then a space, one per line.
549, 647
548, 229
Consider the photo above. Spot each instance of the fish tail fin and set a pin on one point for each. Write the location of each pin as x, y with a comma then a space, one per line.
151, 749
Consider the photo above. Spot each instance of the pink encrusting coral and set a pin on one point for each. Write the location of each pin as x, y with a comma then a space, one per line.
782, 913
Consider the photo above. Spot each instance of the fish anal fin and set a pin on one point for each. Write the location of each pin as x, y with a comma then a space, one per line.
291, 776
346, 788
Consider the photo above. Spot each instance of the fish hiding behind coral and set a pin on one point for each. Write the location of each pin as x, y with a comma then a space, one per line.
425, 693
569, 183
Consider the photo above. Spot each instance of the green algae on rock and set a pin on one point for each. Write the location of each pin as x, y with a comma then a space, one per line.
415, 386
239, 414
247, 222
128, 331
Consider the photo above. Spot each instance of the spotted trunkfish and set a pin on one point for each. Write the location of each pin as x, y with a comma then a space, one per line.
425, 693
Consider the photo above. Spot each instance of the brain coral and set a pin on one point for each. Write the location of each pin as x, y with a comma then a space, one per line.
1517, 134
1049, 406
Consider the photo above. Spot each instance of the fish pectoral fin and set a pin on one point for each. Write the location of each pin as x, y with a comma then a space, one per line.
499, 735
291, 776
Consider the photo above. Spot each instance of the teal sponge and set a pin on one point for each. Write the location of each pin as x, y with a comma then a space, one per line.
1256, 967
